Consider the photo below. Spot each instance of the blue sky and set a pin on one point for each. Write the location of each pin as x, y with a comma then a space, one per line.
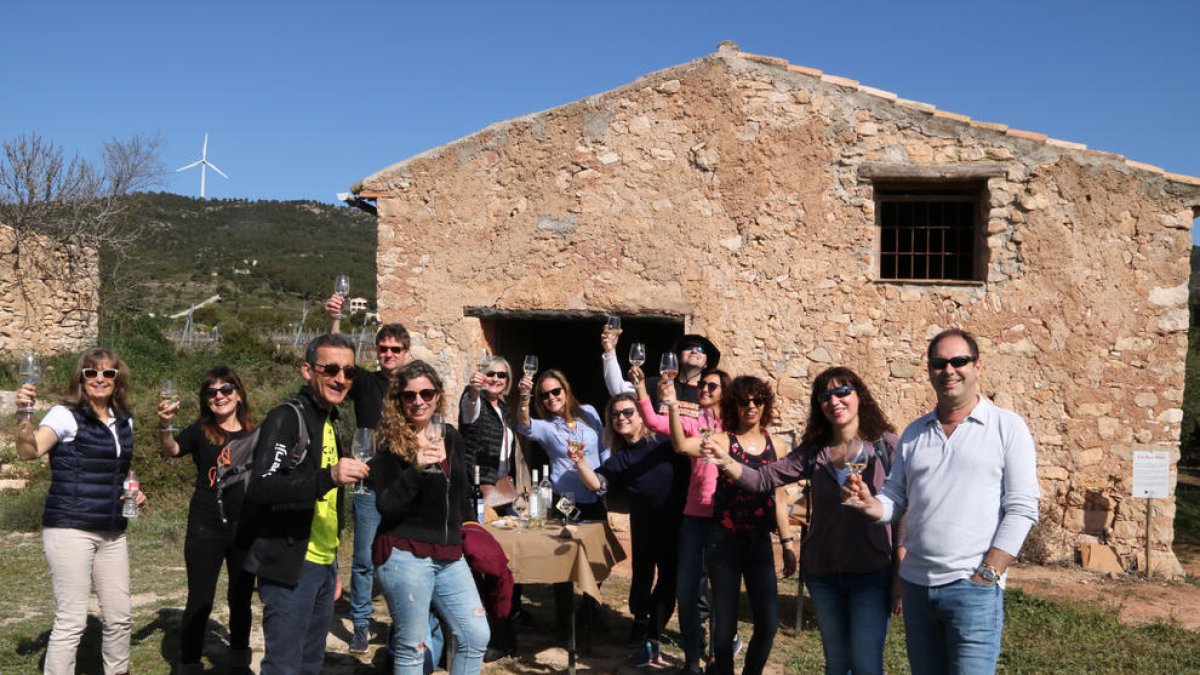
302, 99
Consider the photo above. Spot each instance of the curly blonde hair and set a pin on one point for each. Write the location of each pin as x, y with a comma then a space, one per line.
396, 428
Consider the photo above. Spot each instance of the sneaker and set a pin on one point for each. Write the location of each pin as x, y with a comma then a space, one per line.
646, 655
360, 640
737, 645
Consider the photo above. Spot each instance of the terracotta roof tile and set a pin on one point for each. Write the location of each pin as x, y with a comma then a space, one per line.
1030, 135
1145, 167
840, 81
951, 116
804, 69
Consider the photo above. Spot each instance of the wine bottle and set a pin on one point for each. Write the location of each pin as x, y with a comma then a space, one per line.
477, 497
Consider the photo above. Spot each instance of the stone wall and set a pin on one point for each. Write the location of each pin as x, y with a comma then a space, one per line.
49, 300
735, 191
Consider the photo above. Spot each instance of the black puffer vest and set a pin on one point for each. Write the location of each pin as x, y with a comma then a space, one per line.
87, 475
483, 439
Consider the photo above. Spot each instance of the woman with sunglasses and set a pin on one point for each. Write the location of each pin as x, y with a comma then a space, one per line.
486, 422
564, 422
740, 545
644, 465
212, 523
848, 562
423, 492
692, 585
89, 438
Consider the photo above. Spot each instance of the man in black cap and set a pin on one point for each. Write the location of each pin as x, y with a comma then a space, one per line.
696, 354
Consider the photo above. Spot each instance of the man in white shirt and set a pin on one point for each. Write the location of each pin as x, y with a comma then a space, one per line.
966, 475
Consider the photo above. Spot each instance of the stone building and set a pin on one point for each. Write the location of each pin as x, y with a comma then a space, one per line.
49, 300
802, 220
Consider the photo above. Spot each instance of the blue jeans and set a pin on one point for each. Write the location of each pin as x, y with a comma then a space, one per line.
954, 628
296, 621
734, 557
852, 614
412, 585
693, 545
362, 571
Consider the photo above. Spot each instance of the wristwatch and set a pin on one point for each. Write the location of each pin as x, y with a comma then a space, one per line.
990, 574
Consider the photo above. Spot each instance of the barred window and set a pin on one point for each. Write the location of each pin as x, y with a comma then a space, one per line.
929, 231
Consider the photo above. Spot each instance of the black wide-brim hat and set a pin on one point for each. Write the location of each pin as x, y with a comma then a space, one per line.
710, 350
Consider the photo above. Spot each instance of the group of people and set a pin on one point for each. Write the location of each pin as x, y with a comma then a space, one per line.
928, 520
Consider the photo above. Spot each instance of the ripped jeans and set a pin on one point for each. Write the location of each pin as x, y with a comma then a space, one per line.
412, 587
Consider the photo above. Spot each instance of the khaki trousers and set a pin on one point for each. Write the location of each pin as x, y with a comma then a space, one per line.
80, 560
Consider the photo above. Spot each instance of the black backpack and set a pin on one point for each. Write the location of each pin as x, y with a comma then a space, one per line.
236, 459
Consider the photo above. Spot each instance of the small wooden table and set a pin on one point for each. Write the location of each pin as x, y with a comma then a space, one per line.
582, 554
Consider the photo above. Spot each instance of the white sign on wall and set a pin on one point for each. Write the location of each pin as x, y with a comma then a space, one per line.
1151, 474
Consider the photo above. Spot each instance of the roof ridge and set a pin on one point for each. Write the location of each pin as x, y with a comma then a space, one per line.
729, 47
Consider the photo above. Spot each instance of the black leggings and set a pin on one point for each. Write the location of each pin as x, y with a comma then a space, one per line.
205, 548
732, 557
655, 547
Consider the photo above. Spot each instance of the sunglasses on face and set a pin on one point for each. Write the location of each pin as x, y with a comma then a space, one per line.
938, 363
332, 369
840, 392
382, 349
626, 413
710, 387
757, 401
691, 347
498, 374
92, 373
225, 389
426, 395
550, 392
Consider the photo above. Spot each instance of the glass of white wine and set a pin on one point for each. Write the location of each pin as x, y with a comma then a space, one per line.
856, 457
668, 366
708, 426
613, 323
637, 355
30, 372
436, 431
169, 393
341, 286
364, 449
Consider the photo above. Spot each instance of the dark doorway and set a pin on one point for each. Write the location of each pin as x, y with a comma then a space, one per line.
570, 342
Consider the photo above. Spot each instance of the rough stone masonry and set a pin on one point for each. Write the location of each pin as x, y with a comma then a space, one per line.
737, 192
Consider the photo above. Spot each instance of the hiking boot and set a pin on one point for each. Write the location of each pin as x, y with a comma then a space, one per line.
360, 641
646, 655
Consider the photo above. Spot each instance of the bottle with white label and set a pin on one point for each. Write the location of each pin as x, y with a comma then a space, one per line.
537, 508
130, 508
545, 490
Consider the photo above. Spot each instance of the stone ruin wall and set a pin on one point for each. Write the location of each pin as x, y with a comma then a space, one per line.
49, 299
728, 191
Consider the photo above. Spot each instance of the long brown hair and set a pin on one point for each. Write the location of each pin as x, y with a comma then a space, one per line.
77, 399
571, 409
396, 429
872, 423
212, 428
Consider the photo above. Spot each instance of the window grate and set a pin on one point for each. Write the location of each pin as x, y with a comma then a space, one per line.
928, 235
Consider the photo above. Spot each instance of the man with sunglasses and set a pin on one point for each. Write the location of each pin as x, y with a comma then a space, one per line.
393, 351
966, 476
291, 523
695, 353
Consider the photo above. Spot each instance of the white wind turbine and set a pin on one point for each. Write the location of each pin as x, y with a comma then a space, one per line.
204, 165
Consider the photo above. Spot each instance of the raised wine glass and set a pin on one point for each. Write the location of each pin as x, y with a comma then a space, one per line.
170, 394
637, 354
30, 372
436, 431
341, 286
856, 457
364, 449
613, 323
531, 365
708, 426
668, 366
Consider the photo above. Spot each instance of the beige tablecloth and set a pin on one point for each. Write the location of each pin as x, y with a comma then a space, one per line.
583, 555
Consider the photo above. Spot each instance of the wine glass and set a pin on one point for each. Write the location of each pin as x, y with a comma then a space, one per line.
341, 286
856, 456
520, 506
613, 323
575, 446
668, 366
531, 365
170, 394
566, 506
708, 426
436, 431
30, 373
637, 354
364, 449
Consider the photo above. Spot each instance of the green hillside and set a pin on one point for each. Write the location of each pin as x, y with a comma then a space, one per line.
264, 258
